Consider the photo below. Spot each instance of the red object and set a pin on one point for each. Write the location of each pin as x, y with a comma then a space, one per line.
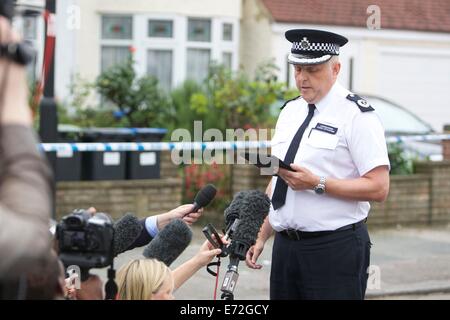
417, 15
50, 39
217, 280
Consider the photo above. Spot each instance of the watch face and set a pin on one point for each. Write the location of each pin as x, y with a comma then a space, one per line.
319, 190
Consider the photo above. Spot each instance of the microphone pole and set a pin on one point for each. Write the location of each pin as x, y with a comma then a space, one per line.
238, 252
111, 288
230, 279
111, 285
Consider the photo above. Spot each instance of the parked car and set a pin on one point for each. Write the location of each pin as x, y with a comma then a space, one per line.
399, 121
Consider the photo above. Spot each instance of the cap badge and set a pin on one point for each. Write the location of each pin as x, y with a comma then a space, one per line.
304, 44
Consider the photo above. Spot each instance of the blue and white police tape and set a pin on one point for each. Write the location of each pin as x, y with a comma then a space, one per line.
221, 145
151, 146
419, 138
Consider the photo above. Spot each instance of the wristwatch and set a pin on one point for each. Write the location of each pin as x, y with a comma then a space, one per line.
320, 188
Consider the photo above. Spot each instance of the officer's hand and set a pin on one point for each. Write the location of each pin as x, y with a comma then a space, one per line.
253, 254
301, 179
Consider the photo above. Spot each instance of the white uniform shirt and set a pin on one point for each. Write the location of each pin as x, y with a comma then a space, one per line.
357, 147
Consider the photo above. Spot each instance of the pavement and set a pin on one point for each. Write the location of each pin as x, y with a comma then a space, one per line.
406, 263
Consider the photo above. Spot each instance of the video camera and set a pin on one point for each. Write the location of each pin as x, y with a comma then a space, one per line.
85, 241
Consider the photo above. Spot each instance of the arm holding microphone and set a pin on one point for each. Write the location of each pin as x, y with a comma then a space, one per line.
151, 226
185, 271
189, 213
184, 212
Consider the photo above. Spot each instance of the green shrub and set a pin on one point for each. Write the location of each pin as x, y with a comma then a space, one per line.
401, 163
140, 100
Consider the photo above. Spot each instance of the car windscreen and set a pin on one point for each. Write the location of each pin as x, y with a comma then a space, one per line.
398, 120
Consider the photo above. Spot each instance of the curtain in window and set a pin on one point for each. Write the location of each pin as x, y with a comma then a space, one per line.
197, 64
112, 55
159, 64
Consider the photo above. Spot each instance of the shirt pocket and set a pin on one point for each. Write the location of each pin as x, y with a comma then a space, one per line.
322, 140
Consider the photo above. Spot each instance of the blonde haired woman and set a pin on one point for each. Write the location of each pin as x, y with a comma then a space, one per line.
150, 279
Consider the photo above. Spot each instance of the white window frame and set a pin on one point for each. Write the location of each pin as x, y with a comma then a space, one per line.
115, 42
38, 43
143, 43
178, 44
227, 45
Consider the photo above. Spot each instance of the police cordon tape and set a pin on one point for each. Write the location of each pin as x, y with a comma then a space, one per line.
223, 145
430, 137
151, 146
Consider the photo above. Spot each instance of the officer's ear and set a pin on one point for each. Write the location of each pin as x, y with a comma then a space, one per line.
335, 66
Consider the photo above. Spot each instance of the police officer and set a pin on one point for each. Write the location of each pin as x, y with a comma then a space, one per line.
337, 150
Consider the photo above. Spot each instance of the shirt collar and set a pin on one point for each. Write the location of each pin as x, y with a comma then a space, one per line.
325, 101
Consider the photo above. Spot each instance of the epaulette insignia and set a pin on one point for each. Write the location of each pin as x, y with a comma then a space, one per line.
362, 104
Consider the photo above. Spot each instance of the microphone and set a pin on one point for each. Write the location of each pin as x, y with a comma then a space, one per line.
231, 213
170, 242
204, 197
126, 230
251, 208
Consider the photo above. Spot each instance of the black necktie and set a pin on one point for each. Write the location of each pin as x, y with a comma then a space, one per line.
279, 194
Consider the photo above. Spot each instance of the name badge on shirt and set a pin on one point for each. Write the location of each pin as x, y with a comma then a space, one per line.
326, 128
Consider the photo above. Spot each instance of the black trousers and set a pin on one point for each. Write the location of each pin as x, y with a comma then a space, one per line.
333, 266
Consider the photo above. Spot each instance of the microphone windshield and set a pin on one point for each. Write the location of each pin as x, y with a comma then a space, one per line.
205, 195
231, 213
126, 231
170, 242
253, 207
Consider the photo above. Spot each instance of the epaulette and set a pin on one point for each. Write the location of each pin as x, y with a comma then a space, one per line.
362, 104
284, 105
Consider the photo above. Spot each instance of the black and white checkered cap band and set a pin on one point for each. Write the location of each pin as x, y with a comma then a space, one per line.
331, 48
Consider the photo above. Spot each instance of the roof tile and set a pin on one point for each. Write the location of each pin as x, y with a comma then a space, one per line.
419, 15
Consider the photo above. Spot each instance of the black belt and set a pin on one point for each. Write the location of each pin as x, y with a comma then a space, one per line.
298, 235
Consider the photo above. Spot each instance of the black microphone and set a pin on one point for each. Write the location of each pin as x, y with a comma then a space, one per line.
231, 213
126, 230
170, 242
204, 197
252, 208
